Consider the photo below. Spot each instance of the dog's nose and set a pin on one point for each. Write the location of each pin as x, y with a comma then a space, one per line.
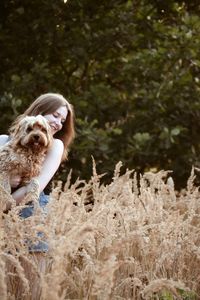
36, 137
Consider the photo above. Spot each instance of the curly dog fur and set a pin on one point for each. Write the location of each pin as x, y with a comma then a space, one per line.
24, 154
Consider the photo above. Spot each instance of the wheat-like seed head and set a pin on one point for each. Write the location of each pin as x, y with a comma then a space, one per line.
130, 239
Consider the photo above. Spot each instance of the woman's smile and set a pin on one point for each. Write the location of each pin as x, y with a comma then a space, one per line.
57, 118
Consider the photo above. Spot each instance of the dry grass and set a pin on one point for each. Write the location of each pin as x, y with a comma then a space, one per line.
129, 239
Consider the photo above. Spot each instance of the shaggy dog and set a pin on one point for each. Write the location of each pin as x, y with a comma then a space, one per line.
24, 154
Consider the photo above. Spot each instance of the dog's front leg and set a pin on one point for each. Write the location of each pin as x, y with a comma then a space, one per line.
32, 194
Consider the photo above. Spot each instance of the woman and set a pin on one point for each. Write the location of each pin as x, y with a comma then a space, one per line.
59, 114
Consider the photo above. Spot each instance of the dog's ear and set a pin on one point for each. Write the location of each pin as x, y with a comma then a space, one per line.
44, 123
14, 126
18, 132
15, 130
15, 134
49, 132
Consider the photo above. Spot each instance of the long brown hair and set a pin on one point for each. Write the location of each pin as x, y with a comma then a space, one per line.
48, 104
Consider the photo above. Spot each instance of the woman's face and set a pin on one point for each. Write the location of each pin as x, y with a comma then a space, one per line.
57, 119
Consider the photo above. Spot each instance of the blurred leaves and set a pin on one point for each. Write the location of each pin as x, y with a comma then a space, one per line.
130, 68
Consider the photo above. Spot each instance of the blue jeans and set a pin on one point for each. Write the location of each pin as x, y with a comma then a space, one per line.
26, 212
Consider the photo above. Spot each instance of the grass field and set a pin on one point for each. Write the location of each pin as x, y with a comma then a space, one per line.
135, 238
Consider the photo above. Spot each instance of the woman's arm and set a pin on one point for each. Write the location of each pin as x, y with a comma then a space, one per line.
50, 166
3, 139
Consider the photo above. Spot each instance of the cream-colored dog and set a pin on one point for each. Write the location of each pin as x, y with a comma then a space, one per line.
24, 154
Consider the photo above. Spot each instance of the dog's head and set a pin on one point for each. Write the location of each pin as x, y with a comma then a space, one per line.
33, 132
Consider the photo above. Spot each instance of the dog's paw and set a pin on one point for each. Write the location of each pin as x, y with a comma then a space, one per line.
32, 191
33, 186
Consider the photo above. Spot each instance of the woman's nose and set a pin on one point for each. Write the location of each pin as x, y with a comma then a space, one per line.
58, 123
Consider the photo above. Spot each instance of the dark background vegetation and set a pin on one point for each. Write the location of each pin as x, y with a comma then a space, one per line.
130, 68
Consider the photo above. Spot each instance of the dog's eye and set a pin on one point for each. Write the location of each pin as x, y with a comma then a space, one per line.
44, 130
29, 129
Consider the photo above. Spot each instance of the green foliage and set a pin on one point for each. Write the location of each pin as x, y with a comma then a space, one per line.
130, 68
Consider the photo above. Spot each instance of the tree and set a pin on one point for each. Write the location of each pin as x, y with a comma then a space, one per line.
130, 68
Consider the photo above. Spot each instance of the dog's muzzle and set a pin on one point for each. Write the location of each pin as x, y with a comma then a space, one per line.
37, 140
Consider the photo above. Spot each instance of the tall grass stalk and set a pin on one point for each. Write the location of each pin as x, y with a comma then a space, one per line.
130, 239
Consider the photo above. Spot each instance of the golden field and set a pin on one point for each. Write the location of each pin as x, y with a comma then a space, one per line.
135, 238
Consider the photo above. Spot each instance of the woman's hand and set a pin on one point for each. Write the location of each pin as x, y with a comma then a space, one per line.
15, 180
